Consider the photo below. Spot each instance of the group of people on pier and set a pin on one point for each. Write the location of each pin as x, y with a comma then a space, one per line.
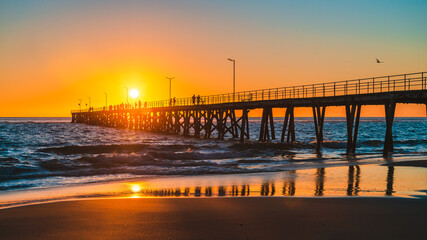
124, 106
197, 100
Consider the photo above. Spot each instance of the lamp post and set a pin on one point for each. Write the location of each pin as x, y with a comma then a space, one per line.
170, 86
127, 95
89, 103
106, 103
80, 104
234, 76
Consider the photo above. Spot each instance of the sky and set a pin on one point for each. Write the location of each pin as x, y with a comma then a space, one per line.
53, 53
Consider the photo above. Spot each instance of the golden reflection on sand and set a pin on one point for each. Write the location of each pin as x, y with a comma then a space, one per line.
363, 181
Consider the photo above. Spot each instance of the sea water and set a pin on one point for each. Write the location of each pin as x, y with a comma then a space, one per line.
47, 152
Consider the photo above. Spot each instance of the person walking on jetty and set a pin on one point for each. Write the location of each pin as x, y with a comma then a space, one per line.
194, 99
198, 99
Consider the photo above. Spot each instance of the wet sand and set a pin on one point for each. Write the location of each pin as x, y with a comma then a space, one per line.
417, 163
219, 218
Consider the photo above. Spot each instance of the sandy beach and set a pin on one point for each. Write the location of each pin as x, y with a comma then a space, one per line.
219, 218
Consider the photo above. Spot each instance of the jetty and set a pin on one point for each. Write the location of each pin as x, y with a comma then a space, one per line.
205, 117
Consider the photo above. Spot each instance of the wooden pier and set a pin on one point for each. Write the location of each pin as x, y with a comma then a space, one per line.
218, 115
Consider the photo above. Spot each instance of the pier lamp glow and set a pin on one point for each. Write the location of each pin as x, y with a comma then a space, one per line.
134, 93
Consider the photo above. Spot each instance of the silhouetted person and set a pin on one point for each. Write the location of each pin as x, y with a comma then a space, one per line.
170, 102
221, 191
243, 192
273, 189
208, 191
177, 192
198, 99
194, 99
198, 191
174, 101
265, 189
186, 191
234, 190
139, 103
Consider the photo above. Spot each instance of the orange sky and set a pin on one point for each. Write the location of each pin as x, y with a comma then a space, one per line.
54, 53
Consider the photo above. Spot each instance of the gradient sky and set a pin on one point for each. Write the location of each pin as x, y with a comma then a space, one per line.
53, 53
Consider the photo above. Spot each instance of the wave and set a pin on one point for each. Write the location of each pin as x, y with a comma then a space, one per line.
8, 160
114, 148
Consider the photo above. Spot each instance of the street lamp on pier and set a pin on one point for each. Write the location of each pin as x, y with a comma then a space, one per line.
80, 104
106, 103
234, 75
170, 86
89, 103
127, 95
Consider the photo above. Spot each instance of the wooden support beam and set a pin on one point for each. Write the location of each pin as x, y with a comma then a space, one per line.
319, 119
273, 135
197, 124
291, 132
186, 123
356, 129
289, 125
244, 124
262, 127
389, 115
220, 123
267, 117
208, 127
353, 119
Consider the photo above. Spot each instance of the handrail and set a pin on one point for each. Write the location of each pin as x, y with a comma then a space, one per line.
391, 83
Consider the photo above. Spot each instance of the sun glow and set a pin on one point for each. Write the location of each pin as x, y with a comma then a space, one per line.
133, 93
135, 188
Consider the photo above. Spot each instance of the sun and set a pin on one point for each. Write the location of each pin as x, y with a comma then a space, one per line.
133, 93
135, 188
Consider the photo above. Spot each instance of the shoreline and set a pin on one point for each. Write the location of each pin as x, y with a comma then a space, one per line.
218, 218
336, 182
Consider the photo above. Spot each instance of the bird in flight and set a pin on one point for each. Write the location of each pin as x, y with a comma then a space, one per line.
378, 61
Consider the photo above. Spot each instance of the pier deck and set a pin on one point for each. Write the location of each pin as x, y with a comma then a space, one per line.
217, 115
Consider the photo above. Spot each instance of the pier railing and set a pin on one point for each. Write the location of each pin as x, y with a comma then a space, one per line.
392, 83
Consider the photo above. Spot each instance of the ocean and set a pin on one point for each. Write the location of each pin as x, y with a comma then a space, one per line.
47, 152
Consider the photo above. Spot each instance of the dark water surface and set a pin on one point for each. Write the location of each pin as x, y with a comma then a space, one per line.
46, 152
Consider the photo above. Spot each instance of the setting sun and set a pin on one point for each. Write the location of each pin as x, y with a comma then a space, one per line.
133, 93
136, 188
